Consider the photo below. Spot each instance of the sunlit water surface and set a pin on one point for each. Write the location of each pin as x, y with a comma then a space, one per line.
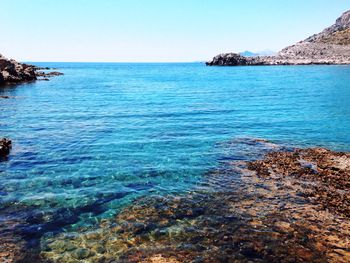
88, 143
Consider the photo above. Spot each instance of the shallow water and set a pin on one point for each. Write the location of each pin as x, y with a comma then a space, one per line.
88, 143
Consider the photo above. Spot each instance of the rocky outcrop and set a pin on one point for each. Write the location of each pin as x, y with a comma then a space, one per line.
5, 147
12, 71
327, 172
49, 74
338, 34
331, 46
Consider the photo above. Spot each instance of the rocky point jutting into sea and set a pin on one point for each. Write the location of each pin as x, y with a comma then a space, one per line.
331, 46
12, 71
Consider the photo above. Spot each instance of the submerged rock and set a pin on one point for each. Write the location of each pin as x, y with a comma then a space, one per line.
331, 46
81, 253
270, 210
5, 147
328, 173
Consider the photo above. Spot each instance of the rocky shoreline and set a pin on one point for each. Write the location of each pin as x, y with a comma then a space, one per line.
290, 206
330, 47
12, 72
328, 175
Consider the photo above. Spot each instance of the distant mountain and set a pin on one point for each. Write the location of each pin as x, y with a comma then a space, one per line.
267, 53
257, 54
331, 46
249, 54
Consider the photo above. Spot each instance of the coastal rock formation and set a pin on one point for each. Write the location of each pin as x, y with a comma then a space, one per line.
49, 74
12, 71
328, 174
5, 146
331, 46
338, 34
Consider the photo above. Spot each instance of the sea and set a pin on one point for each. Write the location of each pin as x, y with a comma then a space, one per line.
89, 143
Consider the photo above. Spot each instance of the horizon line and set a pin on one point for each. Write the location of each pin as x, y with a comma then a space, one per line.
121, 62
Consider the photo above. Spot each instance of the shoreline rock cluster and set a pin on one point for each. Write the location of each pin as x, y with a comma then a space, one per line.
331, 46
291, 206
12, 71
327, 172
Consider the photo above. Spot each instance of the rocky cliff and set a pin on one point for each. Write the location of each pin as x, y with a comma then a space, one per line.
331, 46
12, 71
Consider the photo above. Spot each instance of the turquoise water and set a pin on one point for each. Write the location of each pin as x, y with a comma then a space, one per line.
91, 141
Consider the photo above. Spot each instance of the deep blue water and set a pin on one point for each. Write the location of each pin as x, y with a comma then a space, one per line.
103, 134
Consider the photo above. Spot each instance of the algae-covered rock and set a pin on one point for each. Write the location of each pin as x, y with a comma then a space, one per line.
82, 253
282, 209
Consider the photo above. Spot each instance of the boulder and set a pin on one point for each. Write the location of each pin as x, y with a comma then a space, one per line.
5, 147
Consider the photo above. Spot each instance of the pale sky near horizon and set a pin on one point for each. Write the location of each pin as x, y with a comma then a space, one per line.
156, 30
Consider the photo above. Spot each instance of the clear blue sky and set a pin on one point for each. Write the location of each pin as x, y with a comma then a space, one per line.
156, 30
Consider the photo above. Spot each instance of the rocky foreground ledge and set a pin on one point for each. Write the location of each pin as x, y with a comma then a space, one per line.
331, 46
12, 71
291, 206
